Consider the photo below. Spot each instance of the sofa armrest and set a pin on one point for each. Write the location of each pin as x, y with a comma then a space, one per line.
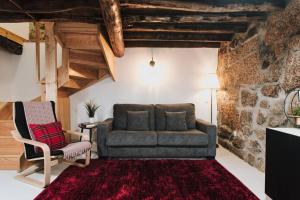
103, 129
211, 131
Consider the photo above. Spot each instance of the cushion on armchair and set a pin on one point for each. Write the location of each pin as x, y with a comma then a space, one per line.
138, 120
176, 121
50, 134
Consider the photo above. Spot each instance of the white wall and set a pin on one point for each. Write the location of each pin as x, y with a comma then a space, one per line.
176, 78
18, 73
20, 29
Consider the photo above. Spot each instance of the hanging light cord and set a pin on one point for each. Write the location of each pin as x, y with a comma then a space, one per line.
152, 53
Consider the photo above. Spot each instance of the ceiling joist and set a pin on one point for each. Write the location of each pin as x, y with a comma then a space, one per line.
203, 23
218, 6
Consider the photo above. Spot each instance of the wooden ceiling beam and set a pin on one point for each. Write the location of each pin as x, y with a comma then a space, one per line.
198, 18
112, 18
21, 9
154, 36
11, 46
54, 10
233, 27
171, 44
217, 6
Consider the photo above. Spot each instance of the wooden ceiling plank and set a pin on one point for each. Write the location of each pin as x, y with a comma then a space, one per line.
112, 18
217, 6
176, 36
234, 27
196, 18
171, 44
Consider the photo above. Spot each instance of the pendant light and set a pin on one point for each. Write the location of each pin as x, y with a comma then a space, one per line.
152, 62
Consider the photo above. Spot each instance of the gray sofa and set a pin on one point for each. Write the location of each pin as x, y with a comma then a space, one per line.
115, 140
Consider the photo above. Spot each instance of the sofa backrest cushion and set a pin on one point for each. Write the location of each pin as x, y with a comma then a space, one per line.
120, 115
161, 109
138, 120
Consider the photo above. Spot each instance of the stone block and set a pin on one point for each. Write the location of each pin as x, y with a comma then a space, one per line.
274, 72
294, 43
260, 164
248, 98
225, 132
250, 159
254, 147
260, 134
270, 90
292, 72
245, 118
278, 107
246, 131
261, 118
276, 121
238, 142
264, 104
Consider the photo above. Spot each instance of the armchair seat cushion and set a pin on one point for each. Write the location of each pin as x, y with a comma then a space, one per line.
131, 138
191, 137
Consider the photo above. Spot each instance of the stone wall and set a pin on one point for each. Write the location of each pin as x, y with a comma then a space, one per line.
255, 71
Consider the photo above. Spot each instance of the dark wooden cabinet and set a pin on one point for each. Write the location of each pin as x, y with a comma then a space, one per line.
282, 180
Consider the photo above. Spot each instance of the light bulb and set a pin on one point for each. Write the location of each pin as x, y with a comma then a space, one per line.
152, 63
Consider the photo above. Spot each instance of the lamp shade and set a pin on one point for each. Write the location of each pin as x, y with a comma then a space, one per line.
210, 81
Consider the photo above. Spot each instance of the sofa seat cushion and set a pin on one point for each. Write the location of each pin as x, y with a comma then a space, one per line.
191, 137
131, 138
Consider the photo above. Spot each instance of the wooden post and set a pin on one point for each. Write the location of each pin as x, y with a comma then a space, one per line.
63, 114
51, 69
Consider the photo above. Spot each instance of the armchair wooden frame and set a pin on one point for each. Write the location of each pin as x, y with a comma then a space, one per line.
48, 161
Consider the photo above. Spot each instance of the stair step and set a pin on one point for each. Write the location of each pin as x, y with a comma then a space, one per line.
9, 162
89, 52
90, 64
71, 27
87, 56
76, 84
6, 126
12, 150
82, 72
6, 110
80, 41
9, 142
66, 92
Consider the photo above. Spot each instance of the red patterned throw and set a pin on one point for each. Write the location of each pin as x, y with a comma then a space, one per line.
50, 134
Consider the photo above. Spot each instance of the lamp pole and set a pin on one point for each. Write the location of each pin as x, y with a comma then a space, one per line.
211, 106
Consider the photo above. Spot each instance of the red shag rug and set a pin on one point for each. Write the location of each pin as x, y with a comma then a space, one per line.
147, 179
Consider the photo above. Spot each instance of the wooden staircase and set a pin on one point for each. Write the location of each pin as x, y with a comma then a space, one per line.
10, 150
86, 57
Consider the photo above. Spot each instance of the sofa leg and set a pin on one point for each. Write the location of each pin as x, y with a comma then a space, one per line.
210, 157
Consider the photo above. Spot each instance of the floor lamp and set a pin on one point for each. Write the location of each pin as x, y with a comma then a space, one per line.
212, 83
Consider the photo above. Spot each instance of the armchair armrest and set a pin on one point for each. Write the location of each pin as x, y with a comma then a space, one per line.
43, 146
103, 129
73, 133
211, 131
